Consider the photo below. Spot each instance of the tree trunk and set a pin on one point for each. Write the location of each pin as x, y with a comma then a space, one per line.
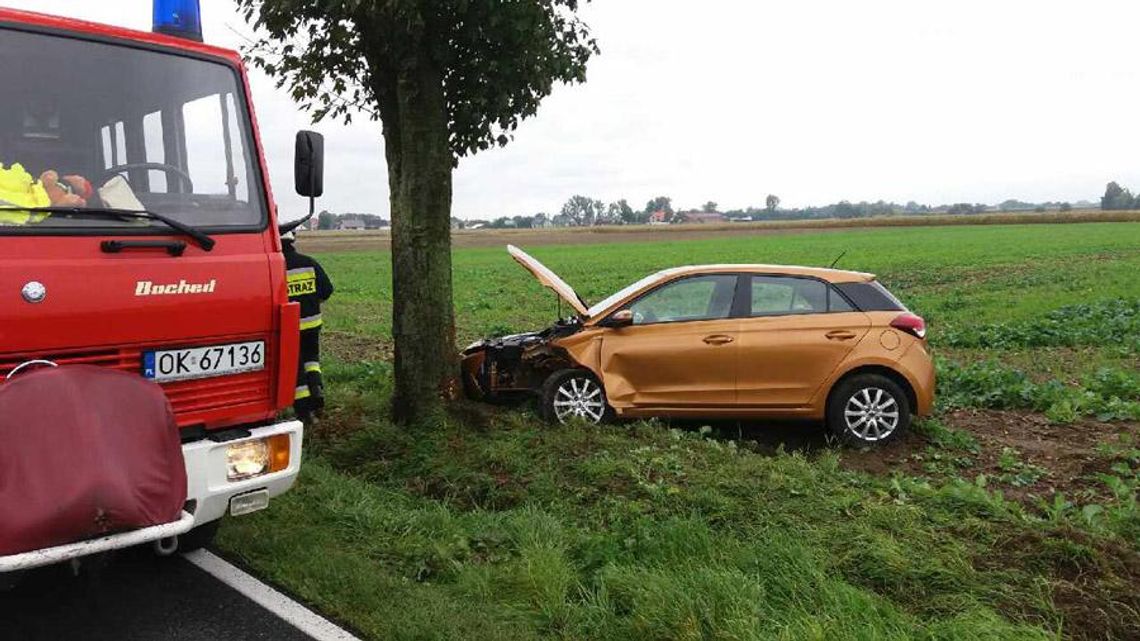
419, 177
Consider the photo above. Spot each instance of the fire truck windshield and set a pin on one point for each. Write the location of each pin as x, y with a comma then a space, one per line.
100, 125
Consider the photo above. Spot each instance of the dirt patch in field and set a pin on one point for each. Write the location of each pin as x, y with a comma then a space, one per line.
1093, 580
1022, 453
380, 240
352, 348
332, 242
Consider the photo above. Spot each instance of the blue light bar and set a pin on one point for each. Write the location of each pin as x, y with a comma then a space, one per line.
179, 18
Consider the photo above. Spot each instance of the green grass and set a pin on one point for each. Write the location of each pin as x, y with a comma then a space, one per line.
620, 535
496, 526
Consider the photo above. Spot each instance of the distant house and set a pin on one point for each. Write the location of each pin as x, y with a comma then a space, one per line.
698, 217
659, 217
456, 223
351, 224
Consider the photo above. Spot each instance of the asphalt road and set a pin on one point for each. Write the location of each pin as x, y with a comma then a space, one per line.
135, 597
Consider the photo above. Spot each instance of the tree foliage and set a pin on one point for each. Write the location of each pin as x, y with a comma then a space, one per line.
499, 58
621, 211
1117, 198
772, 202
583, 211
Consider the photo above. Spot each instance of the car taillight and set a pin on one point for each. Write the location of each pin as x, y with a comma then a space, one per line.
911, 324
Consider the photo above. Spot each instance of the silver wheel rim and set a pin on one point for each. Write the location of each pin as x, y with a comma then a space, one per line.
579, 397
871, 414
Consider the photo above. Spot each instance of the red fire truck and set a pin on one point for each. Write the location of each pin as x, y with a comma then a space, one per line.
138, 234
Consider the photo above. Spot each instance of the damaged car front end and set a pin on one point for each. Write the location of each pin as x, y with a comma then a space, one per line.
513, 367
516, 367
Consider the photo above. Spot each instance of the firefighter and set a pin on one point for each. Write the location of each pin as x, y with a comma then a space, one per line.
310, 286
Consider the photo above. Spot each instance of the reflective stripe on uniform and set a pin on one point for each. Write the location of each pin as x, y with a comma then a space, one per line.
301, 281
309, 322
312, 366
302, 391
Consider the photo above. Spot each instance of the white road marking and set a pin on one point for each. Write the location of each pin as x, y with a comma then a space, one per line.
289, 610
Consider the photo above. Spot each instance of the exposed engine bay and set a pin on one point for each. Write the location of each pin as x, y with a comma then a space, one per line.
515, 366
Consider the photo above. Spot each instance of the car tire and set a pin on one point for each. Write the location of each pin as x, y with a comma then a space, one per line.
868, 410
572, 394
199, 537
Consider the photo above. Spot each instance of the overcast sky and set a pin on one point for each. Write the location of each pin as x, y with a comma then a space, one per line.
815, 101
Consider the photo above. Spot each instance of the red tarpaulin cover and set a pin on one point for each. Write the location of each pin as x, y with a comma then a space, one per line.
85, 451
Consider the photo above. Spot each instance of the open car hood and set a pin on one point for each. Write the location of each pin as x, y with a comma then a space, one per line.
549, 279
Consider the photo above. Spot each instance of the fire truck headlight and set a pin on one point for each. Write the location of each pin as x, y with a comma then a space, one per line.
247, 459
253, 458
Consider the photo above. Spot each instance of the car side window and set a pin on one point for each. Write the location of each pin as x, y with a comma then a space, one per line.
836, 302
689, 299
781, 295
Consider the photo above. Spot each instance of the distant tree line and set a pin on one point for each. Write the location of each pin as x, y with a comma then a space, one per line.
329, 220
584, 211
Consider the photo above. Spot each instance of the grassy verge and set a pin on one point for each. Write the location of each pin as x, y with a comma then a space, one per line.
1012, 515
513, 530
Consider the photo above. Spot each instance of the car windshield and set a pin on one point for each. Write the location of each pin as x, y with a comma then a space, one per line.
625, 292
93, 125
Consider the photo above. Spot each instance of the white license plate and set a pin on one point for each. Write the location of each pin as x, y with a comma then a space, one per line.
202, 362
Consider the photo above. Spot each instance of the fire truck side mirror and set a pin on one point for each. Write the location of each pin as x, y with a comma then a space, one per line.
309, 164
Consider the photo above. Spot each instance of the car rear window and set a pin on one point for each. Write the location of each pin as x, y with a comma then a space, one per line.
871, 297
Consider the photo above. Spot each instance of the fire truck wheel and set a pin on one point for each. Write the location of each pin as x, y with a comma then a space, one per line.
199, 537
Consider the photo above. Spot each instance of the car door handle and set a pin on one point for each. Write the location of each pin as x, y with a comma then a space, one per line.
840, 335
718, 339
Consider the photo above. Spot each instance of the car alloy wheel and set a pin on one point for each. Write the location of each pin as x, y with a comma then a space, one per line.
871, 414
579, 397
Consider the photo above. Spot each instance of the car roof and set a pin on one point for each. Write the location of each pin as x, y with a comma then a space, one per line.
600, 309
822, 273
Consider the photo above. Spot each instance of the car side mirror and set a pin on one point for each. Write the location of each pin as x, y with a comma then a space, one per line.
620, 318
309, 164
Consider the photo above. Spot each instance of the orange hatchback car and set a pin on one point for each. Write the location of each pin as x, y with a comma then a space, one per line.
721, 341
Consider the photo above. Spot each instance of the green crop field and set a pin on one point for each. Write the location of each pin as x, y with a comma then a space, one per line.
1011, 514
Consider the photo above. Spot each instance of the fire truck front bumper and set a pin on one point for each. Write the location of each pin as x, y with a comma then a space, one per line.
212, 491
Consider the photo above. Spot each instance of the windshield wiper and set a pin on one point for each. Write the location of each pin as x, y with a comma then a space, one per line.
204, 241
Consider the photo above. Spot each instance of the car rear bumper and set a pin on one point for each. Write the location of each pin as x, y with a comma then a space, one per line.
918, 367
208, 498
